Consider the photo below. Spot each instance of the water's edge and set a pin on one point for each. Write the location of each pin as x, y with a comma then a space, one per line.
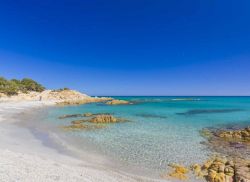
54, 139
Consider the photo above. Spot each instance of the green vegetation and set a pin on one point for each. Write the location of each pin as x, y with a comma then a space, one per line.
61, 89
12, 87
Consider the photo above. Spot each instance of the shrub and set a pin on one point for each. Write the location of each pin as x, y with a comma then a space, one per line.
60, 89
12, 87
31, 85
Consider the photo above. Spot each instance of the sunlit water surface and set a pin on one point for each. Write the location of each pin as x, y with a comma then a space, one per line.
161, 130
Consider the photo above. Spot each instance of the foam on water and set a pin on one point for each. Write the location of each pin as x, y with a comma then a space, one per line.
164, 136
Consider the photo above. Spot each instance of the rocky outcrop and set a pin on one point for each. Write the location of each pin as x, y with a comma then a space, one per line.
222, 169
60, 97
118, 102
242, 135
83, 101
47, 95
104, 119
242, 171
100, 119
231, 142
96, 122
216, 169
235, 144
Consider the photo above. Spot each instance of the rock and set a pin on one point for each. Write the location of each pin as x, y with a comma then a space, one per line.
80, 115
78, 121
70, 116
220, 169
242, 171
82, 127
117, 102
229, 171
234, 142
207, 164
206, 133
197, 170
236, 135
229, 179
220, 177
104, 118
83, 101
230, 163
76, 126
179, 172
87, 114
237, 145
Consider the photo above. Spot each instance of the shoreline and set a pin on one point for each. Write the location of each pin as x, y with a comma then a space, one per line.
25, 157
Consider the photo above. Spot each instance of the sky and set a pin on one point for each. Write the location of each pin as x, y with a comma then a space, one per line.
129, 47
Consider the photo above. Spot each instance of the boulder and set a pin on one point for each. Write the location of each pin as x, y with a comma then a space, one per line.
117, 102
236, 135
104, 118
88, 114
179, 172
220, 169
242, 171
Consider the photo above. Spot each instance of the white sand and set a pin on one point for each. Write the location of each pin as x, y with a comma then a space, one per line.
25, 158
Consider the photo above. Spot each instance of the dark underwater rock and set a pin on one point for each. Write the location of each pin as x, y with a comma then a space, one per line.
208, 111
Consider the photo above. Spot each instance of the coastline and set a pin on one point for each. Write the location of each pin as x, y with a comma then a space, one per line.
24, 157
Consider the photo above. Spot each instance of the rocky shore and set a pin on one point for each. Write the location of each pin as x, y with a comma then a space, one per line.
60, 97
231, 162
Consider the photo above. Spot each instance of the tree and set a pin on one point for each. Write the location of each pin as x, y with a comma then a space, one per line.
13, 86
31, 85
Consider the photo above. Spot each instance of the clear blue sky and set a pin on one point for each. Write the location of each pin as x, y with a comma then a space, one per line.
129, 47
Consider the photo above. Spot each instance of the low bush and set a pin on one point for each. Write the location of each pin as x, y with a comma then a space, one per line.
12, 87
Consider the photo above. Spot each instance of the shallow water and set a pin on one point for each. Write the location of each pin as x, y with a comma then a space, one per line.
162, 130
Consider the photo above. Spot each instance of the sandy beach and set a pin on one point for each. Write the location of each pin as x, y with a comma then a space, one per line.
25, 158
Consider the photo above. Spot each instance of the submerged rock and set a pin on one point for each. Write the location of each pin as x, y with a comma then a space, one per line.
104, 118
208, 111
178, 172
80, 115
100, 119
78, 121
80, 126
232, 142
145, 115
88, 114
117, 102
95, 122
242, 135
70, 116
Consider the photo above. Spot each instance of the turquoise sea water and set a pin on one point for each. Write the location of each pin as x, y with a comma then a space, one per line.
162, 130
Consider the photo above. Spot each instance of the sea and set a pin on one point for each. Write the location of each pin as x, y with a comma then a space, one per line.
160, 130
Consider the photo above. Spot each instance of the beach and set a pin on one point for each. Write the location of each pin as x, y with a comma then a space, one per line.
23, 157
45, 141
